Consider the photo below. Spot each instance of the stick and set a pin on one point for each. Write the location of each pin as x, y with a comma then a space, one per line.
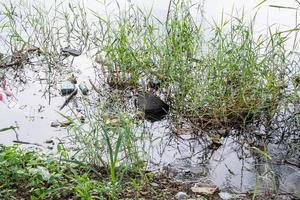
23, 142
73, 94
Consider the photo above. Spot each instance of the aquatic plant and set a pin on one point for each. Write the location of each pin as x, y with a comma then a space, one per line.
108, 139
228, 76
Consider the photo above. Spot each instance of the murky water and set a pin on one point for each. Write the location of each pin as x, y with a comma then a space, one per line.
231, 166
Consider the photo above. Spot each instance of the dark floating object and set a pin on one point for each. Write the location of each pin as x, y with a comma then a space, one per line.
83, 88
155, 109
67, 88
70, 51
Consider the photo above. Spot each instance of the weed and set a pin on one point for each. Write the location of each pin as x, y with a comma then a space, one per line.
29, 174
231, 79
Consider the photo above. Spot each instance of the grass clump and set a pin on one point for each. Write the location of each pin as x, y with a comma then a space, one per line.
226, 78
110, 139
241, 77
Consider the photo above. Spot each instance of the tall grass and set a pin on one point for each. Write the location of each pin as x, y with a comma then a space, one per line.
26, 24
109, 140
229, 79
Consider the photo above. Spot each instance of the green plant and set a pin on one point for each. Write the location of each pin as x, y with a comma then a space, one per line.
31, 174
108, 140
229, 80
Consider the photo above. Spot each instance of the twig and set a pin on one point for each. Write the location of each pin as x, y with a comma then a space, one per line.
73, 94
23, 142
94, 87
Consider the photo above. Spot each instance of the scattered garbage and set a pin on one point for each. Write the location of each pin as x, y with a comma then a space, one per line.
153, 184
181, 196
154, 108
60, 124
44, 172
83, 88
49, 142
226, 196
206, 190
67, 88
69, 51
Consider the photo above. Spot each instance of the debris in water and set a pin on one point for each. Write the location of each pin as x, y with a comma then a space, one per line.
226, 196
83, 88
205, 190
24, 142
43, 171
60, 124
49, 142
181, 196
69, 51
72, 95
67, 88
154, 108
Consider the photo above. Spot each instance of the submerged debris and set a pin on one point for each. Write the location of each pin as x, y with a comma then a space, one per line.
83, 88
205, 190
154, 108
226, 196
60, 124
69, 51
181, 196
67, 88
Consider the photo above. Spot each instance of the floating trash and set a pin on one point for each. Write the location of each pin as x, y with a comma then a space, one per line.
226, 196
70, 51
43, 171
67, 88
155, 109
83, 88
